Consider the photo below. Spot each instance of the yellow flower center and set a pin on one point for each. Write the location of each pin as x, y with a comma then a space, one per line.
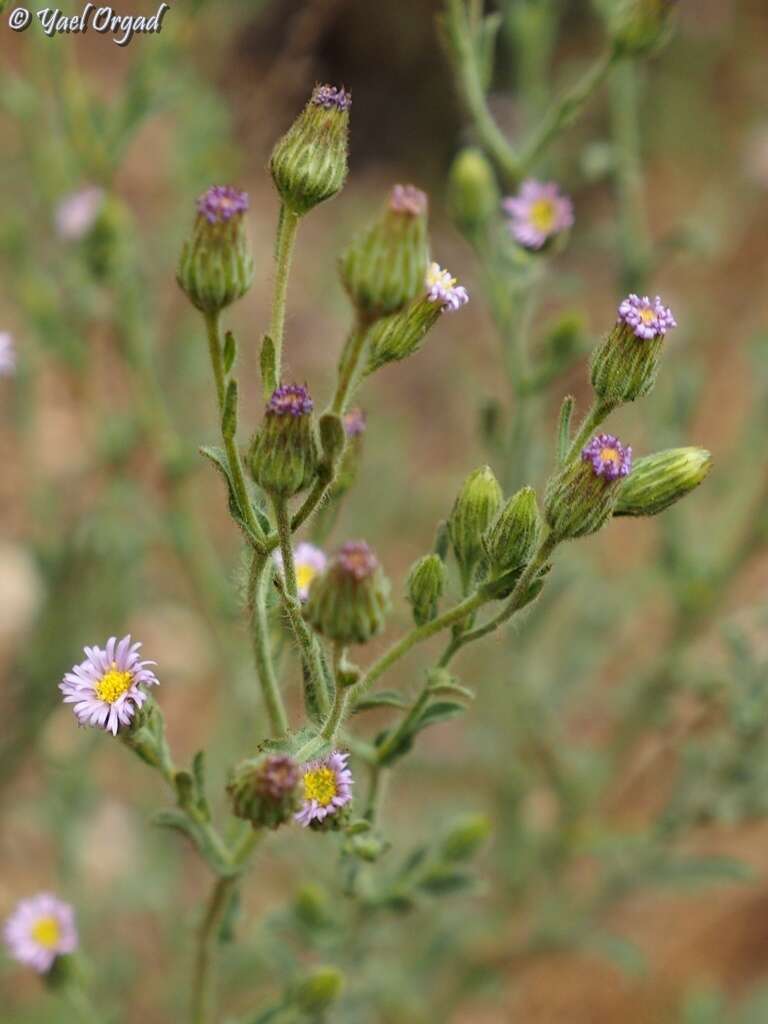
320, 785
46, 932
647, 315
542, 215
437, 276
609, 455
113, 684
304, 575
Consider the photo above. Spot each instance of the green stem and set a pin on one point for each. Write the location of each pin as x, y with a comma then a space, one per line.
287, 228
283, 520
214, 350
565, 110
588, 425
350, 366
415, 636
414, 712
273, 701
203, 976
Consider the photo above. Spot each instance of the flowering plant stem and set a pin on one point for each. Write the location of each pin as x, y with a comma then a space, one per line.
593, 419
350, 365
287, 227
257, 605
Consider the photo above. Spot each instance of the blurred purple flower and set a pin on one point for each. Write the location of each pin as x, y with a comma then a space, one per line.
76, 213
221, 203
538, 212
7, 355
308, 562
40, 929
442, 288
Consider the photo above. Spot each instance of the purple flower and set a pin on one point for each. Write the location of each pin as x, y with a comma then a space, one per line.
7, 355
647, 319
608, 456
408, 199
327, 787
329, 96
40, 929
354, 422
538, 212
76, 213
357, 559
278, 777
290, 400
105, 687
442, 288
308, 562
221, 203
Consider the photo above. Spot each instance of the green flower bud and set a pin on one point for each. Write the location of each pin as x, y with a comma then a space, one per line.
285, 453
582, 496
312, 906
398, 336
265, 790
349, 602
661, 479
639, 26
384, 267
216, 265
473, 193
319, 990
473, 512
309, 163
426, 582
626, 364
511, 540
465, 838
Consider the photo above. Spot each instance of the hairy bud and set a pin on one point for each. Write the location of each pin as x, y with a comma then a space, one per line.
350, 601
626, 364
661, 479
473, 512
285, 454
473, 194
265, 790
639, 26
216, 265
582, 496
426, 582
317, 993
511, 540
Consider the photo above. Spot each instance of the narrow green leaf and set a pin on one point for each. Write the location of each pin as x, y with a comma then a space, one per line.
564, 427
229, 353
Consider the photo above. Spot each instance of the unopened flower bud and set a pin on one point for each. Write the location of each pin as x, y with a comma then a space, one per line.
511, 539
216, 265
285, 453
473, 512
426, 582
350, 601
582, 496
625, 365
319, 990
639, 26
465, 838
473, 194
346, 473
398, 336
384, 267
661, 479
265, 790
309, 163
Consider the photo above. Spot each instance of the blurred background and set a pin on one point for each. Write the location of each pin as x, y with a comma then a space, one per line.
619, 738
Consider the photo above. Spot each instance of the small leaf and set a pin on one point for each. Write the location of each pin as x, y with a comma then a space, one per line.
440, 711
268, 366
564, 427
219, 459
381, 699
442, 879
229, 415
230, 351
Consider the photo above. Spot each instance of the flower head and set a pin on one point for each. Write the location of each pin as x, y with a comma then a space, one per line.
329, 96
308, 562
538, 212
357, 559
7, 354
442, 288
40, 929
105, 688
327, 787
609, 457
290, 400
408, 199
354, 422
76, 213
648, 319
220, 203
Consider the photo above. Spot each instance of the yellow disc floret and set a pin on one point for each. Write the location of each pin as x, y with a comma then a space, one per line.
609, 455
320, 785
305, 573
46, 932
542, 215
113, 684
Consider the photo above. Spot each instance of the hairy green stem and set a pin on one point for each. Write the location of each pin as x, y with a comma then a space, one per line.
587, 427
287, 228
262, 653
202, 979
350, 366
214, 350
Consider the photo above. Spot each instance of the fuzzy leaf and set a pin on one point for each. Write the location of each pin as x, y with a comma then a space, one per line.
230, 351
218, 457
439, 711
382, 699
268, 365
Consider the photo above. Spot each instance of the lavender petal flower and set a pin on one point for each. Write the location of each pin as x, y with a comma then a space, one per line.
647, 319
608, 456
40, 929
327, 788
538, 212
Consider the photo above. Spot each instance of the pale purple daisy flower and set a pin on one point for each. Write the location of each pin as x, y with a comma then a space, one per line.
442, 288
7, 354
308, 562
408, 199
357, 559
608, 456
76, 213
40, 929
290, 400
221, 203
105, 688
329, 96
354, 422
648, 319
327, 787
538, 212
